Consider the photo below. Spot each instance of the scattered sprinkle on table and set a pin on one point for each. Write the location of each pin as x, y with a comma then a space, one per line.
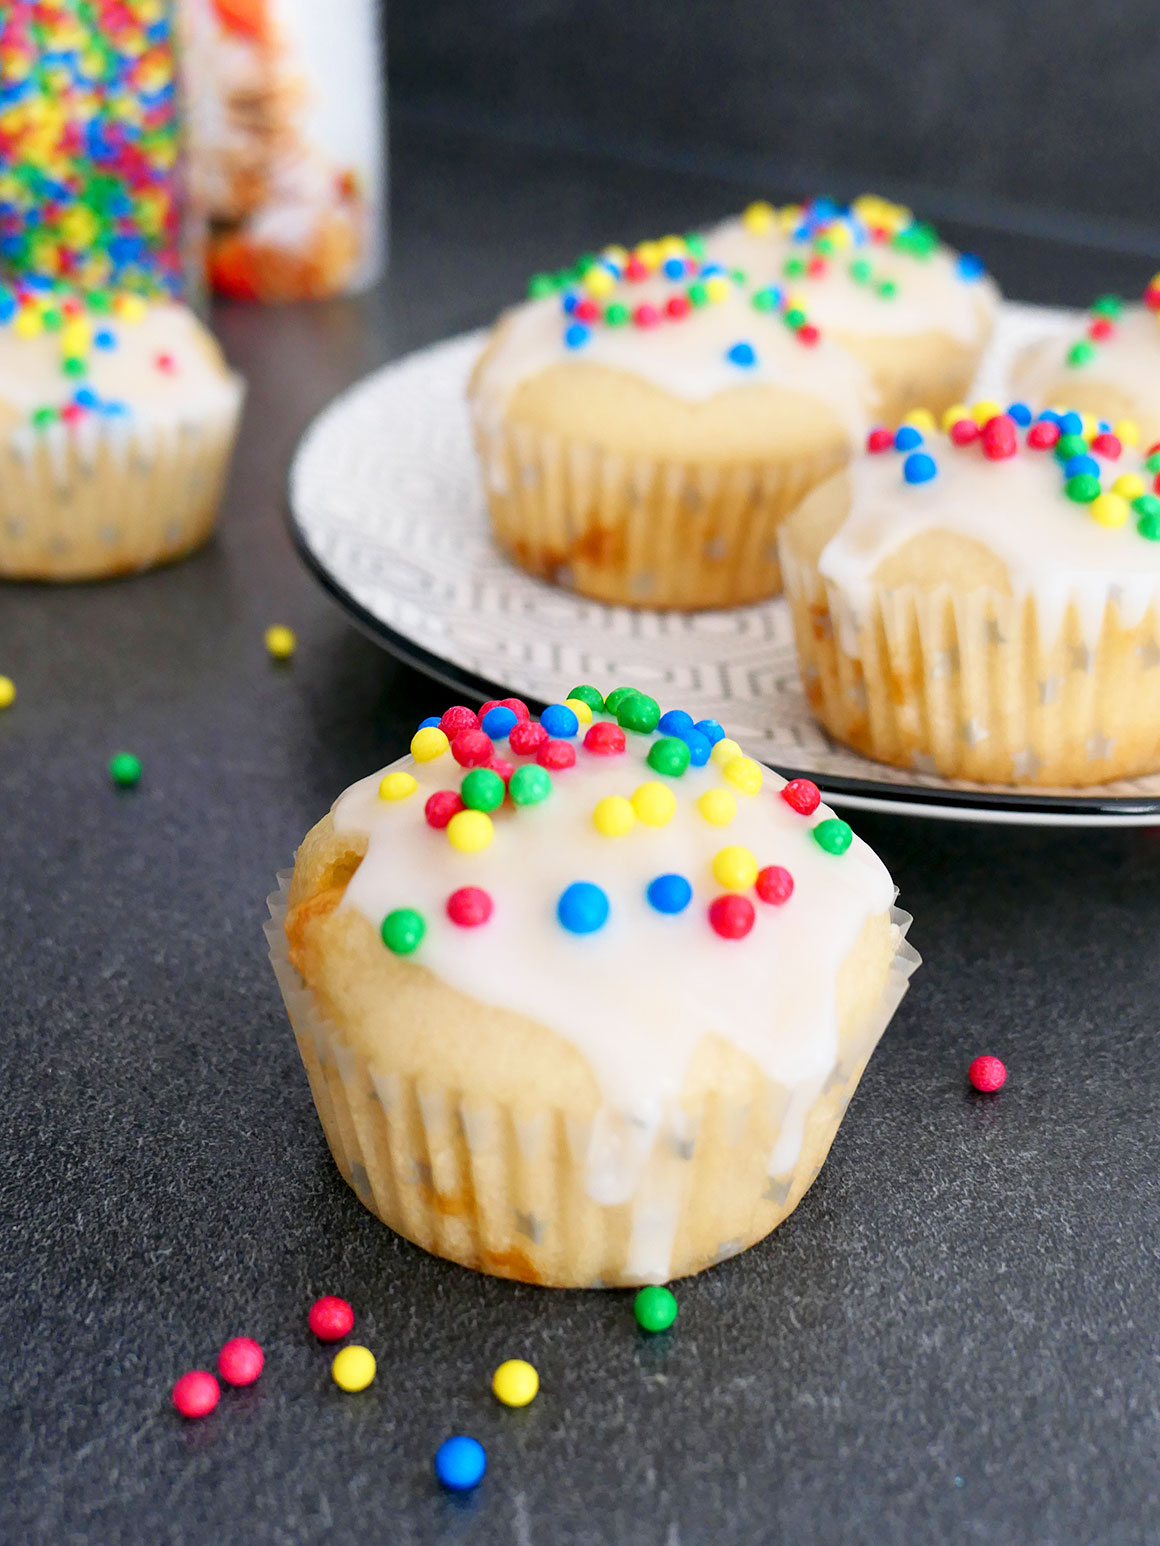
460, 1463
987, 1074
196, 1393
655, 1308
353, 1368
240, 1361
330, 1318
281, 642
125, 769
515, 1382
7, 692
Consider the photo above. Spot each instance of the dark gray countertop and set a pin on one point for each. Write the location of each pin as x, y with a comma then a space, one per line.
954, 1338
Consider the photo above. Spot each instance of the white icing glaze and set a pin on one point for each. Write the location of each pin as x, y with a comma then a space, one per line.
932, 296
1127, 361
636, 997
686, 358
200, 391
1053, 549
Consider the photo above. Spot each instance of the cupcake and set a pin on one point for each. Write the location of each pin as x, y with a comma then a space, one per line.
1108, 366
646, 420
914, 313
582, 999
117, 418
984, 603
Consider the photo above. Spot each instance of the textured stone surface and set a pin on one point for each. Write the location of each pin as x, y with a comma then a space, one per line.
954, 1338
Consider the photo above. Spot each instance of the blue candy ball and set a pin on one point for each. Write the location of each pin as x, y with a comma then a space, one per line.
1020, 413
700, 748
583, 908
919, 467
1077, 466
427, 723
1050, 416
460, 1463
571, 301
576, 335
104, 339
711, 730
670, 893
742, 354
674, 268
907, 438
558, 720
970, 267
498, 722
675, 722
1070, 424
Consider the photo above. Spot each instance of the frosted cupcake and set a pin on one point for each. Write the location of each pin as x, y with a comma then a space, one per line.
647, 419
117, 418
582, 1000
985, 604
875, 280
1109, 366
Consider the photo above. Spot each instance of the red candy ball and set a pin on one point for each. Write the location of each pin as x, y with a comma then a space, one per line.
774, 884
1108, 445
678, 306
879, 440
458, 718
802, 796
808, 334
964, 431
472, 749
646, 315
469, 906
987, 1074
196, 1393
330, 1318
1152, 297
604, 738
1000, 438
240, 1361
517, 705
441, 806
556, 755
1102, 327
732, 916
527, 737
1042, 435
503, 768
486, 708
587, 311
635, 270
817, 265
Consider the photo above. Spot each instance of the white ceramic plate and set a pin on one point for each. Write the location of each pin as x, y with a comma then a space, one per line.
388, 511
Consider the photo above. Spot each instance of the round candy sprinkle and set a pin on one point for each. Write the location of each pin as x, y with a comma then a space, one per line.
985, 409
655, 804
482, 790
469, 832
638, 712
669, 755
498, 722
1083, 488
353, 1368
556, 755
919, 467
458, 718
125, 769
501, 766
710, 729
963, 431
879, 440
717, 806
280, 641
725, 750
655, 1308
581, 710
590, 696
1079, 465
1107, 445
616, 697
732, 916
669, 893
515, 1382
735, 868
428, 742
802, 795
604, 739
196, 1393
397, 785
675, 722
908, 438
1129, 485
559, 720
744, 774
472, 749
774, 884
921, 419
441, 806
1071, 423
1042, 435
431, 723
460, 1463
403, 930
742, 354
529, 785
987, 1074
1020, 413
527, 737
613, 816
330, 1318
469, 906
1000, 438
833, 835
700, 749
1110, 510
582, 908
7, 692
240, 1361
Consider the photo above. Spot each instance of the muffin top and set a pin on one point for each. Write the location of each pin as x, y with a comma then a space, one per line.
1057, 507
76, 361
866, 271
667, 314
628, 879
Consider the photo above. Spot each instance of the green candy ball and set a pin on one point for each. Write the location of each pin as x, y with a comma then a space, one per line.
695, 242
1149, 523
1152, 463
669, 755
638, 712
697, 293
529, 785
1083, 488
125, 769
1068, 446
833, 835
655, 1308
860, 271
1082, 353
794, 268
888, 289
616, 697
482, 790
540, 286
403, 930
795, 317
1109, 306
616, 315
590, 696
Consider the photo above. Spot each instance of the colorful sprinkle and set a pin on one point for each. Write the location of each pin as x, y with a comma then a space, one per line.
710, 729
581, 710
987, 1074
725, 750
527, 737
717, 806
515, 1383
529, 785
919, 467
614, 816
403, 930
472, 749
196, 1394
731, 916
675, 722
774, 884
353, 1368
240, 1361
470, 832
482, 790
7, 692
638, 712
397, 785
125, 769
669, 893
655, 1308
582, 908
833, 835
498, 722
428, 742
441, 807
460, 1463
330, 1318
279, 640
655, 804
604, 739
735, 868
742, 354
669, 755
556, 755
559, 720
469, 907
744, 774
590, 696
801, 795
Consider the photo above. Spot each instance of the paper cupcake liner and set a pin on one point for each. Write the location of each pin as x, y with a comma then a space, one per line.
640, 531
102, 497
549, 1199
979, 685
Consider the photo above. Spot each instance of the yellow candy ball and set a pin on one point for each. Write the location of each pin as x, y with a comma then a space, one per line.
598, 281
280, 641
27, 323
725, 751
581, 710
744, 774
758, 218
616, 254
7, 692
649, 253
470, 831
789, 216
955, 415
717, 806
1129, 485
923, 419
428, 743
1109, 510
1091, 426
839, 234
515, 1382
734, 868
982, 411
654, 804
717, 287
397, 785
1126, 431
353, 1368
613, 816
131, 308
